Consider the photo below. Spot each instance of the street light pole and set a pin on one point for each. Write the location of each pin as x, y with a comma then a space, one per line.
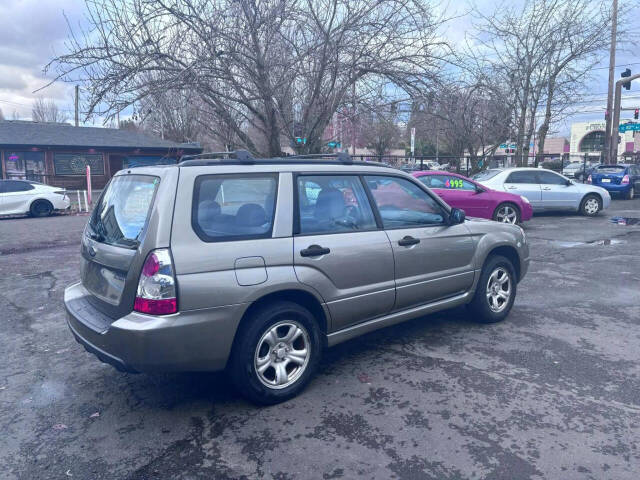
613, 152
608, 135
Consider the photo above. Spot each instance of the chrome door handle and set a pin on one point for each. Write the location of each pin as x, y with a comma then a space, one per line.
511, 187
546, 188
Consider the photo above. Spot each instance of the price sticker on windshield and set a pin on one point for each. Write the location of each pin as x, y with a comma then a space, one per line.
454, 183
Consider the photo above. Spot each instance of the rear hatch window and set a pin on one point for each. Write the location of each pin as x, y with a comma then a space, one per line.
121, 214
611, 169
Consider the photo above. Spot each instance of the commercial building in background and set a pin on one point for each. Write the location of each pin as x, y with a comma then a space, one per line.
588, 137
58, 153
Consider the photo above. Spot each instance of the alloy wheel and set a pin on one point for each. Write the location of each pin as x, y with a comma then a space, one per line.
499, 289
282, 354
506, 214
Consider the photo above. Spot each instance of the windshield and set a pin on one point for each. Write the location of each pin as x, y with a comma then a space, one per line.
486, 175
121, 214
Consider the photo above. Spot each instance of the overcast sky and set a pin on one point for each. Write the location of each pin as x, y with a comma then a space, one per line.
33, 31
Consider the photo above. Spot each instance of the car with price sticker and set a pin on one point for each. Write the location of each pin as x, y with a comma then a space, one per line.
255, 266
475, 199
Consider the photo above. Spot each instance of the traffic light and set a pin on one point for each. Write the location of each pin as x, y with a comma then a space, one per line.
626, 73
635, 113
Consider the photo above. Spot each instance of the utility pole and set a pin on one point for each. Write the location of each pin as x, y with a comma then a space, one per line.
353, 120
608, 135
76, 103
613, 153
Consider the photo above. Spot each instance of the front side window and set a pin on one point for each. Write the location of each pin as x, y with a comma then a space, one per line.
549, 178
333, 204
526, 176
234, 207
121, 213
402, 203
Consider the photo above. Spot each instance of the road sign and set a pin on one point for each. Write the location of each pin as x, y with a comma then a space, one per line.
629, 127
506, 145
333, 145
302, 140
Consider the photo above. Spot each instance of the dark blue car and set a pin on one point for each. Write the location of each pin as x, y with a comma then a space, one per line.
622, 179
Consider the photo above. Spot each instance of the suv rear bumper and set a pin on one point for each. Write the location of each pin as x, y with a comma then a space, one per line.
198, 340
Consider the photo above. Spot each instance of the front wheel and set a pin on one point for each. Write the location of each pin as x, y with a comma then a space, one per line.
591, 205
276, 354
507, 213
496, 291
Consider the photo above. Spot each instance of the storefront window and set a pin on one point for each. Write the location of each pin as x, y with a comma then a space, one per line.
593, 142
24, 164
76, 163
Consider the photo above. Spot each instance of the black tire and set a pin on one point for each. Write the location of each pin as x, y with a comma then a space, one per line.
242, 369
480, 307
513, 206
587, 203
41, 208
630, 194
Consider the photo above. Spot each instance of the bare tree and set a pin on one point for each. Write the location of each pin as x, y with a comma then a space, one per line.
380, 131
543, 49
45, 110
276, 68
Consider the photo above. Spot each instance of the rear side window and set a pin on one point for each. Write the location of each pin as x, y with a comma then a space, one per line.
10, 186
333, 204
234, 207
121, 213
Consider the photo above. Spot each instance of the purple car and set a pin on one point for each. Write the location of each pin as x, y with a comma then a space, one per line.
476, 200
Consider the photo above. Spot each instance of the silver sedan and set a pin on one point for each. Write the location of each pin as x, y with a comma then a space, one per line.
548, 190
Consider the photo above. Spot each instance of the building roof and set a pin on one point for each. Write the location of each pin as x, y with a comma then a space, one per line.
16, 133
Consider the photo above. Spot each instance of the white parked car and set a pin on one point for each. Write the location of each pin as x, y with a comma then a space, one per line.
26, 197
547, 190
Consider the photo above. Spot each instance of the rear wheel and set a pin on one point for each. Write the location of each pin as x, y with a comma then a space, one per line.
276, 353
41, 208
591, 205
507, 213
630, 194
496, 291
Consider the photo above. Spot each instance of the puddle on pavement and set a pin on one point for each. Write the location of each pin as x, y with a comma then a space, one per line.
625, 220
601, 243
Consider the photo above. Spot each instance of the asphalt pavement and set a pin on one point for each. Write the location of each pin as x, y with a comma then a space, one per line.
552, 392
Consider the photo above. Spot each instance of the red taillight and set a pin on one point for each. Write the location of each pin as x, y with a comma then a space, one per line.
589, 179
625, 180
156, 293
156, 307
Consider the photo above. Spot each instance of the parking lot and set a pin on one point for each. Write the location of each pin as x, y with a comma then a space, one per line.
552, 392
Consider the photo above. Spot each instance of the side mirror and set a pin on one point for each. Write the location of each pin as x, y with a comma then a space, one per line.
568, 183
456, 216
479, 190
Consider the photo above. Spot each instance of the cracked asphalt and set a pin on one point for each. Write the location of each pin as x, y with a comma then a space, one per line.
552, 392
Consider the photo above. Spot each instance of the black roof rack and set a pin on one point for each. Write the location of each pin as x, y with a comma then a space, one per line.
242, 157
